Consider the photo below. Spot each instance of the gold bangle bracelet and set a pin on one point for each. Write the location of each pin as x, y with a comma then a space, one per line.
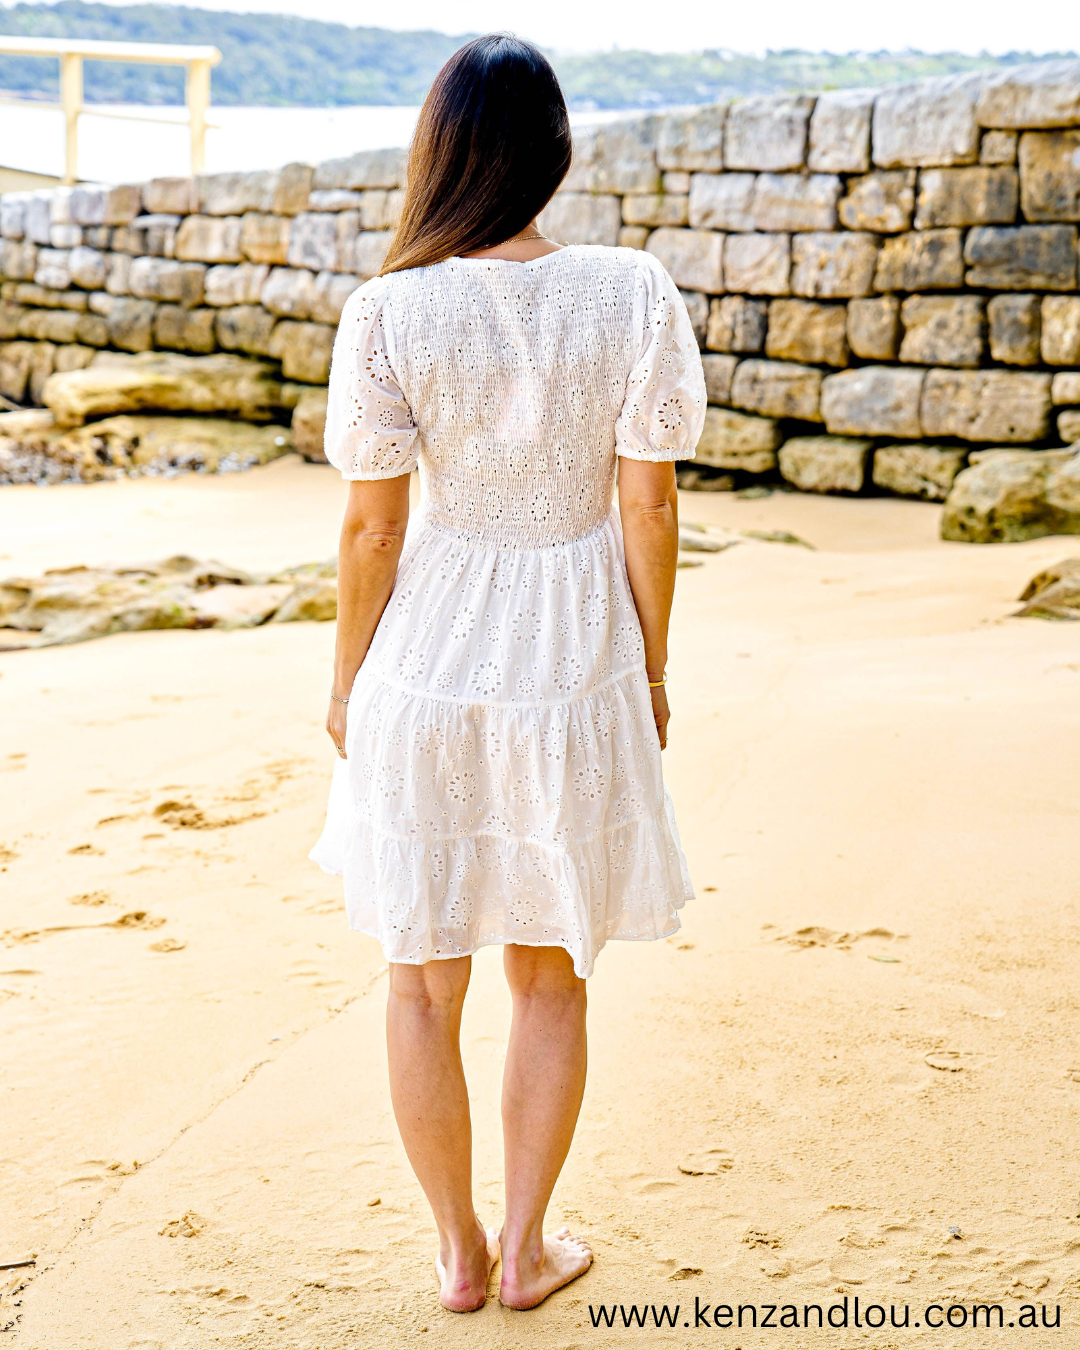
655, 684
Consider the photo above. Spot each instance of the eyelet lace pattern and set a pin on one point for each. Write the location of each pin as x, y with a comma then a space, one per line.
503, 777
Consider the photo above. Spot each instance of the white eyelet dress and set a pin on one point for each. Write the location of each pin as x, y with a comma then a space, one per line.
503, 779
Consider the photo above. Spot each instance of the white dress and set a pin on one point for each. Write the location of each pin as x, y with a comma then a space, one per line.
503, 778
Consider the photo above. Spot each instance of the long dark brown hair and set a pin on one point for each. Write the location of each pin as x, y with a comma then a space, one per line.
491, 145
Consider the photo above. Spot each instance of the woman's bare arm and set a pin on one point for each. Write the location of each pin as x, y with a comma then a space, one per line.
649, 507
372, 534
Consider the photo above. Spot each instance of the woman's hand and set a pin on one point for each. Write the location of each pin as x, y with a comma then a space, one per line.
661, 713
335, 726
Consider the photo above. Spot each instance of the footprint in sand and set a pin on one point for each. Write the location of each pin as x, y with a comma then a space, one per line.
185, 815
189, 1225
168, 945
758, 1237
817, 936
7, 853
86, 850
686, 1273
90, 898
709, 1162
955, 1061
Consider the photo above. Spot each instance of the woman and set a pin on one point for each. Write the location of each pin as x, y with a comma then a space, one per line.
498, 700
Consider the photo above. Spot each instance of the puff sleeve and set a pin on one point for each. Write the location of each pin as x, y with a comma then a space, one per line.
370, 432
664, 408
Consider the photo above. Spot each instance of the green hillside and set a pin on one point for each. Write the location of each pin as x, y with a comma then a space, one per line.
279, 59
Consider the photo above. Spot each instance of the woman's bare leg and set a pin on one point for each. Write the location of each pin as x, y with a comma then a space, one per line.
543, 1084
431, 1104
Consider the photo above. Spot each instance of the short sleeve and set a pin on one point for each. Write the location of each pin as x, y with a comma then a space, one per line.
370, 432
664, 408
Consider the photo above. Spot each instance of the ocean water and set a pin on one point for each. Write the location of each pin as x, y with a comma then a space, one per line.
247, 138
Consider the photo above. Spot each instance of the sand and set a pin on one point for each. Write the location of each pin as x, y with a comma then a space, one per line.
864, 1041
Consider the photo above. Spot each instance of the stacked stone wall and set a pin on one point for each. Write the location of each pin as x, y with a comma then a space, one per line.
880, 281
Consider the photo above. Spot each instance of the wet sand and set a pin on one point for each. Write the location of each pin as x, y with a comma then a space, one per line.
864, 1038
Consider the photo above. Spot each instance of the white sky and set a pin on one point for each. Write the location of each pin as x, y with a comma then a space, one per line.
745, 26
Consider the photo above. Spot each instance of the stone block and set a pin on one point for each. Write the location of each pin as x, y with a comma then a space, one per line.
1065, 388
309, 425
15, 369
1060, 340
167, 279
42, 364
693, 258
87, 268
60, 205
655, 209
882, 202
1008, 496
998, 147
833, 266
675, 181
126, 239
100, 303
98, 236
733, 440
210, 239
1022, 257
185, 330
918, 470
995, 406
767, 132
1069, 426
692, 139
10, 317
171, 196
943, 330
245, 328
1050, 175
28, 293
329, 294
926, 260
304, 350
264, 238
927, 123
337, 199
38, 217
365, 169
73, 357
231, 194
778, 389
242, 285
130, 324
154, 235
92, 331
719, 371
18, 259
1046, 94
737, 324
53, 268
289, 292
633, 236
368, 253
66, 236
1015, 329
758, 264
13, 215
825, 463
581, 218
291, 188
375, 207
873, 401
697, 309
873, 327
722, 201
314, 239
840, 131
617, 157
50, 325
803, 330
796, 202
970, 196
101, 204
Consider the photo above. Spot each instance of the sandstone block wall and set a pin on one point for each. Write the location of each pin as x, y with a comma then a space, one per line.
881, 281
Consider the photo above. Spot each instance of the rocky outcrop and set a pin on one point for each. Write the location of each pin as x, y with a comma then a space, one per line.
1008, 495
1054, 593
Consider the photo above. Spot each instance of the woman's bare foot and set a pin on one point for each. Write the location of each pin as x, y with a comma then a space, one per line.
526, 1283
463, 1276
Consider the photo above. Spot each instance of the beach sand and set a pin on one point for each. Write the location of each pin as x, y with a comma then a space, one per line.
854, 1072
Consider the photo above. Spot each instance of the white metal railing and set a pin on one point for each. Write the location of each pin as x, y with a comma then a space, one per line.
73, 51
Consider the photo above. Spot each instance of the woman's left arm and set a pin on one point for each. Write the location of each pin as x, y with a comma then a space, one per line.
372, 535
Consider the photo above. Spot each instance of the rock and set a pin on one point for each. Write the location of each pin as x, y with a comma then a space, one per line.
882, 202
42, 365
925, 260
264, 238
37, 217
693, 258
796, 202
165, 279
617, 157
210, 239
675, 181
289, 292
87, 268
1022, 257
337, 199
971, 196
368, 253
633, 236
719, 371
732, 440
833, 266
378, 207
1011, 495
998, 147
873, 401
231, 194
14, 370
697, 308
185, 330
313, 599
873, 327
1015, 329
117, 273
105, 204
172, 196
245, 328
65, 236
92, 330
309, 425
825, 463
992, 406
13, 215
18, 259
154, 235
737, 324
927, 123
53, 268
778, 389
656, 208
1050, 175
943, 330
722, 201
329, 294
316, 239
1046, 94
365, 169
758, 264
691, 139
304, 350
768, 132
840, 131
235, 285
167, 382
1065, 388
1069, 426
1053, 593
801, 330
130, 324
580, 218
918, 470
1060, 342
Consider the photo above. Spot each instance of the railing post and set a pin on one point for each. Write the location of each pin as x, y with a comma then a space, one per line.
198, 100
71, 97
